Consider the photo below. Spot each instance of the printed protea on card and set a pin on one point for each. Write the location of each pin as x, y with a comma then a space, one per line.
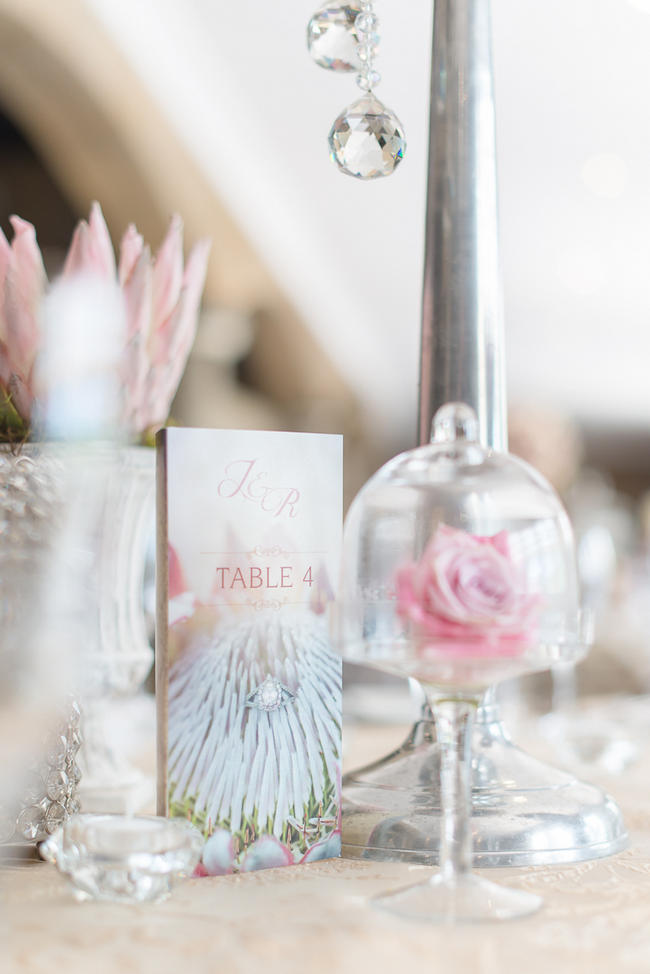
248, 685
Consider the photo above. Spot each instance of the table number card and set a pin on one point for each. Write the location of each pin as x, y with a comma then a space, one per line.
248, 686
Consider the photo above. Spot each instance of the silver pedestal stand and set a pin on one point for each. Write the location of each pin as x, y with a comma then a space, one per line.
524, 812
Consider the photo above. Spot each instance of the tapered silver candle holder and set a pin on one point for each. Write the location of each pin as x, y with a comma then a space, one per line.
524, 811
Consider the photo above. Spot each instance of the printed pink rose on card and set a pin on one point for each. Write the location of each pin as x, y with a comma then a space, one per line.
467, 596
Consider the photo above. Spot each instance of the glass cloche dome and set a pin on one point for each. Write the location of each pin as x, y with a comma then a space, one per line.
458, 565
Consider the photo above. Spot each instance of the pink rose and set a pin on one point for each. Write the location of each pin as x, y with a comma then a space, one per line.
466, 596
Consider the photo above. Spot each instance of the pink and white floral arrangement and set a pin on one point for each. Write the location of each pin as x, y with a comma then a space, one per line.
160, 299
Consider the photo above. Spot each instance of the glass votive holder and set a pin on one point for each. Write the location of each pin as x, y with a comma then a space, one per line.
124, 859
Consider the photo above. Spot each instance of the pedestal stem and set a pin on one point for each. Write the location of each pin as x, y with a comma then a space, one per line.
454, 719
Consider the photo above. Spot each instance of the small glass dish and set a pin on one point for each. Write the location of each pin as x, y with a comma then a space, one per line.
124, 859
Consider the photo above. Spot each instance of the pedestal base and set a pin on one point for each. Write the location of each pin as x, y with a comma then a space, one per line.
524, 812
466, 899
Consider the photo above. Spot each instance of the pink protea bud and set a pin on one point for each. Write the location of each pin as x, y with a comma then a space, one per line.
5, 258
130, 251
24, 286
161, 301
176, 337
100, 242
91, 250
167, 283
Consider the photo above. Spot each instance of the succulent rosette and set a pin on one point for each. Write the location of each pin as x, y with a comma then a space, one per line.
466, 596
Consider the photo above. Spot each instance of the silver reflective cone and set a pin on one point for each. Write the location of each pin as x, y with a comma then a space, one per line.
524, 812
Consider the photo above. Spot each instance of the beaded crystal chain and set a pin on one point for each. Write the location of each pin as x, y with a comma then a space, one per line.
367, 139
366, 26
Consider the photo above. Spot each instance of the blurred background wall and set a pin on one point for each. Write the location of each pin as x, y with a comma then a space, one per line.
214, 109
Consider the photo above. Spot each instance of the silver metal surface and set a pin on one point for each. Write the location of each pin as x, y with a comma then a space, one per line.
524, 812
462, 332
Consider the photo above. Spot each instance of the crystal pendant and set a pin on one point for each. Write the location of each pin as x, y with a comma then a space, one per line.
56, 785
31, 823
332, 38
367, 139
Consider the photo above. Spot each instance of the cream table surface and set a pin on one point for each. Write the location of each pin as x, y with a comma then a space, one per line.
316, 918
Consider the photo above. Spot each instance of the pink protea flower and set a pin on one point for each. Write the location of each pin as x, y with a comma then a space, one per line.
161, 299
22, 286
466, 596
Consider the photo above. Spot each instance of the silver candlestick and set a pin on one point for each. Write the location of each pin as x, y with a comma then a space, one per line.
525, 812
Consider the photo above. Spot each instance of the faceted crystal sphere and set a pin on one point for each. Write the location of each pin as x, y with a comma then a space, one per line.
332, 38
367, 140
31, 822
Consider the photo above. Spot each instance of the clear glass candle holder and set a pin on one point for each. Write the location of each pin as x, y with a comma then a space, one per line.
122, 858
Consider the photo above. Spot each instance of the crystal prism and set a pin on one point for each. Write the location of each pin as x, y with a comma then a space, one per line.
55, 817
332, 38
367, 140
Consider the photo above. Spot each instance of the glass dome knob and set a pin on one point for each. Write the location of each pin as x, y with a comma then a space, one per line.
454, 421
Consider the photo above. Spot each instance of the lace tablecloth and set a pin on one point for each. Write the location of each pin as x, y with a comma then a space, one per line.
315, 918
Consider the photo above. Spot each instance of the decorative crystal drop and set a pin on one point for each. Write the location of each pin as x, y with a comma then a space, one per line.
54, 817
366, 23
332, 38
75, 742
366, 53
57, 785
368, 79
367, 140
31, 822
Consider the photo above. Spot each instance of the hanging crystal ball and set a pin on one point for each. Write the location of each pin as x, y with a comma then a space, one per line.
367, 140
332, 37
